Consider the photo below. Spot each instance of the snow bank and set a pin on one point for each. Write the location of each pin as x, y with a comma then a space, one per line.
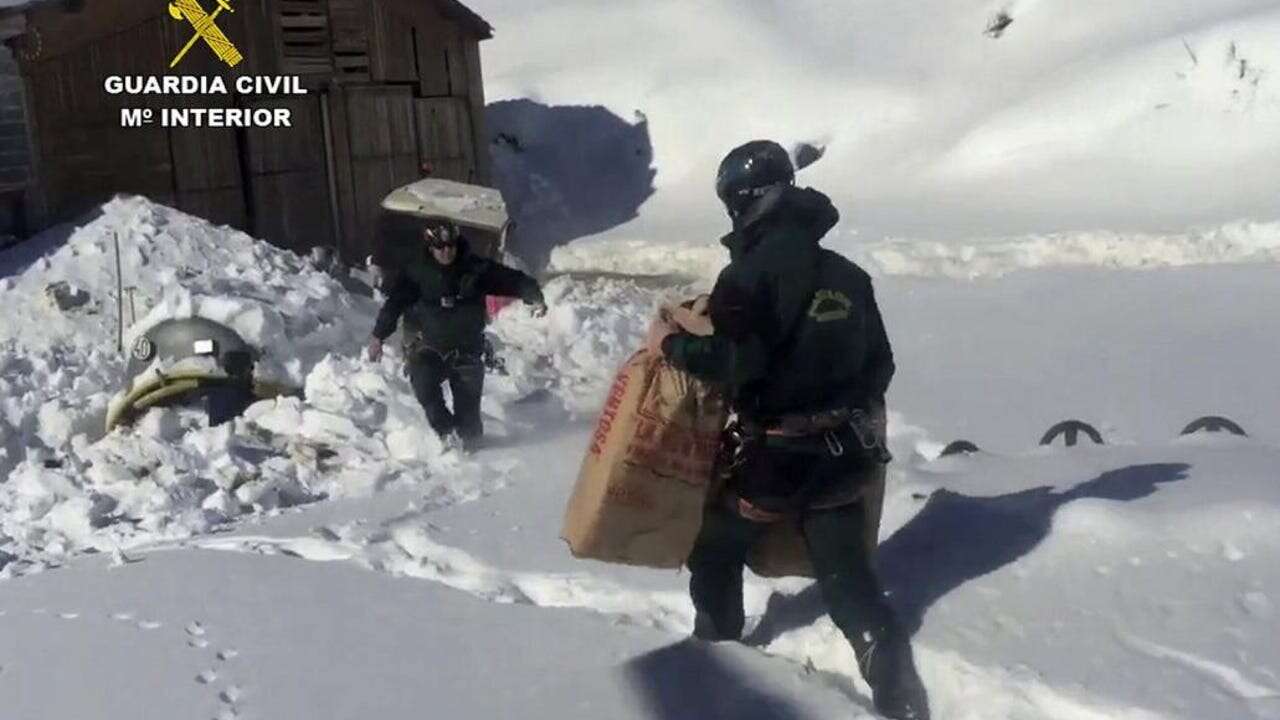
1238, 242
687, 260
69, 489
58, 341
594, 325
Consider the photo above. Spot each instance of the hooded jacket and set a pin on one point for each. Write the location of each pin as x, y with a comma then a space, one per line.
797, 328
443, 306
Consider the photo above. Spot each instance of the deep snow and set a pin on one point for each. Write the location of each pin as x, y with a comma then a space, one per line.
1135, 580
1076, 219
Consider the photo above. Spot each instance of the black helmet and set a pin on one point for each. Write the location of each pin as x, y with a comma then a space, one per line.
440, 232
749, 171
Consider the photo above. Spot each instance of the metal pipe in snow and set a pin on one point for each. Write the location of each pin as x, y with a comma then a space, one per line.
119, 298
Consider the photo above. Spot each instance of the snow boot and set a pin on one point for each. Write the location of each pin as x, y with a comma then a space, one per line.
705, 628
471, 443
896, 688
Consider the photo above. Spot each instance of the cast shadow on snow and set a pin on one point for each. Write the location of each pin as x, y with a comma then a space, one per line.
15, 259
956, 538
566, 172
688, 680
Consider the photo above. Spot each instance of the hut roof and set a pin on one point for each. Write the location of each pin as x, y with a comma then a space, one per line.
451, 9
465, 16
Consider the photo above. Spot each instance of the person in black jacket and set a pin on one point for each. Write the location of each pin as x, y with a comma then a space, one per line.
801, 350
440, 293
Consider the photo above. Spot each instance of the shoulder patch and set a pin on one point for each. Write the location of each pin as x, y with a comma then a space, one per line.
830, 306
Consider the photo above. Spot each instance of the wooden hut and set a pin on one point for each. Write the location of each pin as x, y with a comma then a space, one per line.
395, 93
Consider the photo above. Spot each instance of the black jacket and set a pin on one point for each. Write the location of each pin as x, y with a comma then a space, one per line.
797, 328
443, 306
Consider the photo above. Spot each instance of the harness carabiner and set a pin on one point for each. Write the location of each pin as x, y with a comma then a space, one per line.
834, 446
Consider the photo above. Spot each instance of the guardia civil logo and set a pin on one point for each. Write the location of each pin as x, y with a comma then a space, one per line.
206, 29
830, 306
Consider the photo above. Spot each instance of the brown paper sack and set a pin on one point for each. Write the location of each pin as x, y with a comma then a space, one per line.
782, 551
644, 481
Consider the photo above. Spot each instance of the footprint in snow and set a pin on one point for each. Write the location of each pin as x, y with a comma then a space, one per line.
69, 615
122, 616
150, 624
197, 637
326, 533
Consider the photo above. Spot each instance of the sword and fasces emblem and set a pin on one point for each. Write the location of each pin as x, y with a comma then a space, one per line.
206, 29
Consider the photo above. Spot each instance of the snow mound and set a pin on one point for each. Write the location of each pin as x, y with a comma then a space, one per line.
56, 353
679, 261
70, 489
593, 326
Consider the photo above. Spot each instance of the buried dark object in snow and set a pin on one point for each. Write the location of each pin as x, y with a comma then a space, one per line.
960, 447
1070, 430
186, 360
1214, 423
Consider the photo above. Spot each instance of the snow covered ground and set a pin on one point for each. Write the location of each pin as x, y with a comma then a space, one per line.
323, 555
1073, 220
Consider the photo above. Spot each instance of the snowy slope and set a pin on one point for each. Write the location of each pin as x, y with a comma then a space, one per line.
1133, 118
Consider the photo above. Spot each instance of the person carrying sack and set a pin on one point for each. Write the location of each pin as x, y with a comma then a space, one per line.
801, 351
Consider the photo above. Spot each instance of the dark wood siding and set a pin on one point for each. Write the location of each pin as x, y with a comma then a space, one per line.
395, 47
445, 139
384, 154
288, 177
350, 21
304, 37
400, 81
84, 155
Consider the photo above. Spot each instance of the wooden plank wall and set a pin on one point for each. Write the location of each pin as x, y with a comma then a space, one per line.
15, 155
288, 177
394, 57
350, 23
304, 39
206, 162
383, 156
450, 124
475, 98
402, 86
444, 137
84, 155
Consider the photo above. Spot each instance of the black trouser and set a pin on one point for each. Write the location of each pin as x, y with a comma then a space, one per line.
837, 547
429, 370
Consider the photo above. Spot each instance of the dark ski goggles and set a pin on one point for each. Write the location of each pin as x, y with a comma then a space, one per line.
441, 237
